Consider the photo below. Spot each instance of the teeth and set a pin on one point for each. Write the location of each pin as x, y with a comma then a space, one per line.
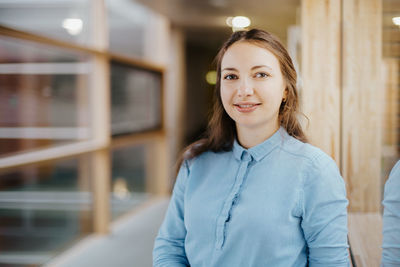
246, 106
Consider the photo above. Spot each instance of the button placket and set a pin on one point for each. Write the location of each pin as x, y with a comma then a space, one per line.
225, 215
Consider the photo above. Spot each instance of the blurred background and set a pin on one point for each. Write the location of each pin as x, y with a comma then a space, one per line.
99, 97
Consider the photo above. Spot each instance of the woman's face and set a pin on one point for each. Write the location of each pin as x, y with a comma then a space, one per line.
252, 86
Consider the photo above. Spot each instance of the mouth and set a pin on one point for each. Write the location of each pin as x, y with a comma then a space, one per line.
246, 107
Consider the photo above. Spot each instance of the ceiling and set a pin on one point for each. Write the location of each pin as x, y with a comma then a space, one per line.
203, 21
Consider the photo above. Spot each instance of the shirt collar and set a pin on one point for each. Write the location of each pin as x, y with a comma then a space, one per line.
259, 151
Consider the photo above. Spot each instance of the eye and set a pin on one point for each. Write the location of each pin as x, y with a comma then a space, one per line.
230, 77
262, 75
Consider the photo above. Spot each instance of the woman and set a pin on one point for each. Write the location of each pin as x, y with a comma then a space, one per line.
253, 193
391, 219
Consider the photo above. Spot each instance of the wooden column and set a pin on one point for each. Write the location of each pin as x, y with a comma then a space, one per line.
99, 94
157, 181
342, 87
362, 102
320, 92
84, 185
174, 99
101, 172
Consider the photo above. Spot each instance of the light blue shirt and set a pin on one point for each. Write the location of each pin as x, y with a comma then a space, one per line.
391, 219
280, 203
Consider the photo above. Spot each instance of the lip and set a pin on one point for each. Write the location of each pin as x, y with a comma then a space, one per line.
246, 107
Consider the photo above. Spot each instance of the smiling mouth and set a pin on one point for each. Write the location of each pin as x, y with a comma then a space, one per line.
246, 107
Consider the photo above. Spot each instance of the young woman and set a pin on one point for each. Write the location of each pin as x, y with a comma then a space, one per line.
253, 192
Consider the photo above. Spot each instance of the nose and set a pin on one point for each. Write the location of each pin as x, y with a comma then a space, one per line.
245, 88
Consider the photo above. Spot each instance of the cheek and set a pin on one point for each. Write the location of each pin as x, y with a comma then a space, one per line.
225, 97
279, 91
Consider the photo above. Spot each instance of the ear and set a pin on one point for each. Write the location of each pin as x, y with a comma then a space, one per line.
285, 95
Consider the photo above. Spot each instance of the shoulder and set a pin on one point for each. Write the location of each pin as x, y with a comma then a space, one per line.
312, 155
393, 181
317, 166
206, 159
395, 172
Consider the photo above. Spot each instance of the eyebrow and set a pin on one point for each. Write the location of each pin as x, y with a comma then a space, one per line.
253, 68
261, 66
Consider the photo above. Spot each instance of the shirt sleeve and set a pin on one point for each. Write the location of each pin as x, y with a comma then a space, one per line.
324, 214
391, 219
169, 249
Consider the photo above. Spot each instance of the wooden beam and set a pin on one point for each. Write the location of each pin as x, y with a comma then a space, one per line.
136, 138
49, 154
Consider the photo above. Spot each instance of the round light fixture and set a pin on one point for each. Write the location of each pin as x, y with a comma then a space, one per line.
72, 25
240, 22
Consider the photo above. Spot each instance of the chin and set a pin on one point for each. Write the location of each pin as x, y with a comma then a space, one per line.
248, 124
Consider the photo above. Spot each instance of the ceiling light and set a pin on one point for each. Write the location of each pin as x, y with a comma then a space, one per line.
396, 21
240, 22
211, 77
72, 26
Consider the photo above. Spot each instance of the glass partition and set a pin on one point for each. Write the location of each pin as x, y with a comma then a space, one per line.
43, 209
44, 92
135, 99
129, 175
127, 27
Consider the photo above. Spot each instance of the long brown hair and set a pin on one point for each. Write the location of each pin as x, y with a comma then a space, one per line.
221, 130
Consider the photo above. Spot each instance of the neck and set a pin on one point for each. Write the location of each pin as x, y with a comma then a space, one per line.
249, 137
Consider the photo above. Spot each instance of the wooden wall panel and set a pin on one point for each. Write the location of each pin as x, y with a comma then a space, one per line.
361, 102
320, 92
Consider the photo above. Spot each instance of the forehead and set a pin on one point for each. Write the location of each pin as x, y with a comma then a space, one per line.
248, 54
